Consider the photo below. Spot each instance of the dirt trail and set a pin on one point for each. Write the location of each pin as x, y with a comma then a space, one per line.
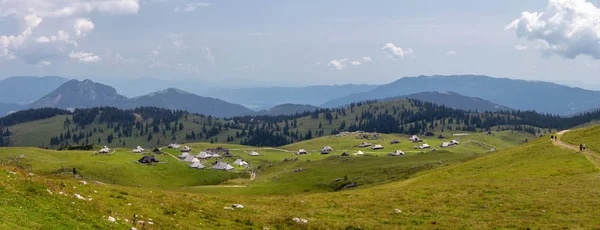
169, 154
593, 157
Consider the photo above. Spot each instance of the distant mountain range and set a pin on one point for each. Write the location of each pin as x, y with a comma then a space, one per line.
255, 98
467, 92
263, 98
176, 99
288, 109
543, 97
80, 94
6, 108
24, 90
87, 94
455, 101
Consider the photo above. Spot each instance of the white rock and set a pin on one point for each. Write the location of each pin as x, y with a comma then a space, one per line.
83, 182
30, 174
79, 197
90, 199
150, 222
129, 204
49, 191
111, 219
398, 211
237, 206
301, 221
132, 228
11, 172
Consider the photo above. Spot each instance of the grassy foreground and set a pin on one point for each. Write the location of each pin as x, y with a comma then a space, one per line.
535, 185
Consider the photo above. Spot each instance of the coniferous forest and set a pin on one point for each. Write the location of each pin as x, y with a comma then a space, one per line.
150, 126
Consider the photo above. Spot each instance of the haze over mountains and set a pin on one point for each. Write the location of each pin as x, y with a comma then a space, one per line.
467, 92
23, 90
543, 97
456, 101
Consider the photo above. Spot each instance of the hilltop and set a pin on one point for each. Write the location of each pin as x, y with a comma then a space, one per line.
456, 101
80, 94
175, 99
287, 109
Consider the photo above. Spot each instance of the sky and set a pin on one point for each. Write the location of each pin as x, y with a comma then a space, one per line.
298, 43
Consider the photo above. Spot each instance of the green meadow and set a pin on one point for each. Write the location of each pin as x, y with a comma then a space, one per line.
532, 184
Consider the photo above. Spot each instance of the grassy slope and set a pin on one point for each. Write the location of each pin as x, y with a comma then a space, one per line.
588, 136
534, 185
119, 168
38, 133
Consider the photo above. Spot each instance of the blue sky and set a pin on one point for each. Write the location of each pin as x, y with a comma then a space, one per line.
283, 42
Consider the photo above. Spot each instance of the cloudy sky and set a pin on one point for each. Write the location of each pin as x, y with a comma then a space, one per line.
291, 42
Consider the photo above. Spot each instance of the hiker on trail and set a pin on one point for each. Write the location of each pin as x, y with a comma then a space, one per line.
583, 147
552, 138
580, 147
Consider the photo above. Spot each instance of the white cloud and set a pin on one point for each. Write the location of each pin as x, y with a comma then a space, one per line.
451, 53
45, 63
342, 63
568, 28
339, 64
83, 27
208, 55
31, 47
396, 52
521, 47
177, 42
84, 57
191, 7
117, 58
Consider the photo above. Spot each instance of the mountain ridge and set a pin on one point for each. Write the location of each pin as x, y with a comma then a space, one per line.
455, 101
508, 92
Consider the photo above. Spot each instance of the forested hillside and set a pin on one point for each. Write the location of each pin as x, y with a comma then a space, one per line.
147, 126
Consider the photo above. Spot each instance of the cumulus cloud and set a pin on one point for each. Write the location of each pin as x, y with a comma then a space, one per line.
451, 53
83, 27
342, 63
396, 52
191, 7
29, 45
84, 57
338, 64
568, 28
520, 47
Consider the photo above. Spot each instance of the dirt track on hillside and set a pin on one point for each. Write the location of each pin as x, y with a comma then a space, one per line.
592, 156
